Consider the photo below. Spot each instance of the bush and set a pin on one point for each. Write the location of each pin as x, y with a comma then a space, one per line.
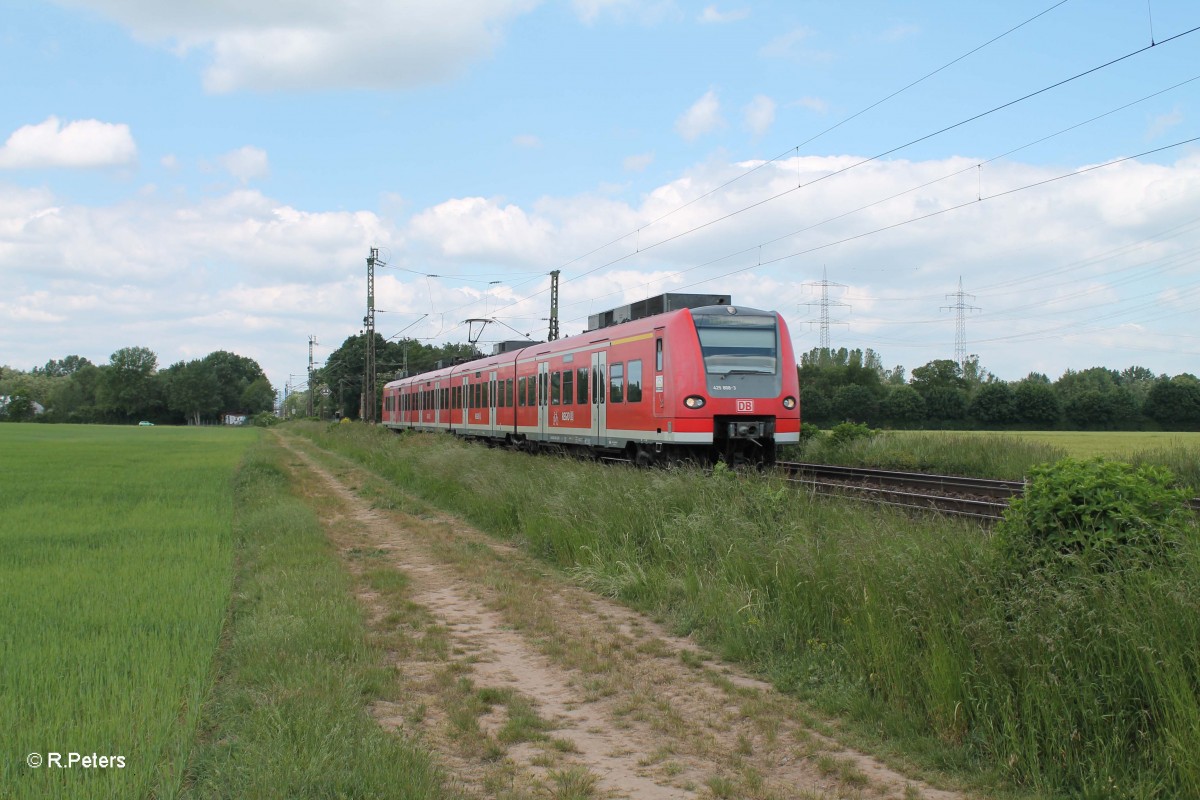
1096, 515
808, 432
849, 431
265, 419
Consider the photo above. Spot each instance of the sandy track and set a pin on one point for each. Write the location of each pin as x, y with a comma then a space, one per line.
633, 712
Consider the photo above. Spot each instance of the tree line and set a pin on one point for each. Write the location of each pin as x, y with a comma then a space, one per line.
131, 388
853, 386
337, 386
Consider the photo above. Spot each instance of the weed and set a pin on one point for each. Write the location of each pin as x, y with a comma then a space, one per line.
573, 783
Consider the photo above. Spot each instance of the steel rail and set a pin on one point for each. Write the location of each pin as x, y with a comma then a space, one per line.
881, 477
886, 487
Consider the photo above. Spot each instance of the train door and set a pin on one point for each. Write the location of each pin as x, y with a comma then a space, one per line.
492, 402
660, 400
437, 402
466, 403
599, 390
543, 387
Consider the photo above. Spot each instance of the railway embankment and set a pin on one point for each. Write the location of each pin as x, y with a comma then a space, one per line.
925, 643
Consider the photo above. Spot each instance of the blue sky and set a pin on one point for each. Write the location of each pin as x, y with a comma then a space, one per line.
195, 176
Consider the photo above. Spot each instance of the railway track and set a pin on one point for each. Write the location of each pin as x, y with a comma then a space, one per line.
980, 498
977, 498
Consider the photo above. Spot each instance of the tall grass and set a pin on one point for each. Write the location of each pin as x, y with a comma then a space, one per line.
115, 567
998, 456
1182, 459
287, 718
910, 628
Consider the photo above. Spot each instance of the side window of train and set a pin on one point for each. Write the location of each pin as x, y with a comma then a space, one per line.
555, 384
658, 361
633, 392
582, 396
616, 382
568, 387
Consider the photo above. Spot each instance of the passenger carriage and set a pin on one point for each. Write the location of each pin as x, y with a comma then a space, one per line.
695, 382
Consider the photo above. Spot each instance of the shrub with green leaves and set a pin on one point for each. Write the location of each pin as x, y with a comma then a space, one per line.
1094, 514
849, 431
809, 431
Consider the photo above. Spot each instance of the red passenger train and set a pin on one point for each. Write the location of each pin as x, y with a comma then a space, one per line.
703, 383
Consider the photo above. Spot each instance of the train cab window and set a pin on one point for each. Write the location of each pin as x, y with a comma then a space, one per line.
633, 382
555, 384
568, 387
658, 361
737, 343
616, 383
582, 396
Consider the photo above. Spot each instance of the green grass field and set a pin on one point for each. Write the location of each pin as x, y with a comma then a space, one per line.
170, 607
115, 570
1115, 444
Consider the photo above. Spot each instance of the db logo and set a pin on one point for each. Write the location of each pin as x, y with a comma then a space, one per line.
745, 406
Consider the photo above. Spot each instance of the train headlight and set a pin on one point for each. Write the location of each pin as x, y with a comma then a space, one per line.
789, 402
694, 401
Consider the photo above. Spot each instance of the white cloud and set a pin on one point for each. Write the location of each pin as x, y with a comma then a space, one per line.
712, 15
637, 163
245, 163
703, 117
900, 32
169, 161
646, 12
480, 228
812, 104
1163, 123
312, 45
790, 46
527, 141
82, 143
1057, 271
759, 114
590, 10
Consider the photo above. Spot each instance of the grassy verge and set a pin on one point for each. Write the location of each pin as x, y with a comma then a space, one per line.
287, 717
991, 455
115, 569
1006, 456
905, 627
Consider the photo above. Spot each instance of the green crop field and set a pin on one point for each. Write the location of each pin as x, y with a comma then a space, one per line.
115, 571
1115, 444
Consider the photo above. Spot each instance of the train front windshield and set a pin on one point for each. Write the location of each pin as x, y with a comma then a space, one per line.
737, 343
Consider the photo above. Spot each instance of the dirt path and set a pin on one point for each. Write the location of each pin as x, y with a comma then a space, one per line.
526, 686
